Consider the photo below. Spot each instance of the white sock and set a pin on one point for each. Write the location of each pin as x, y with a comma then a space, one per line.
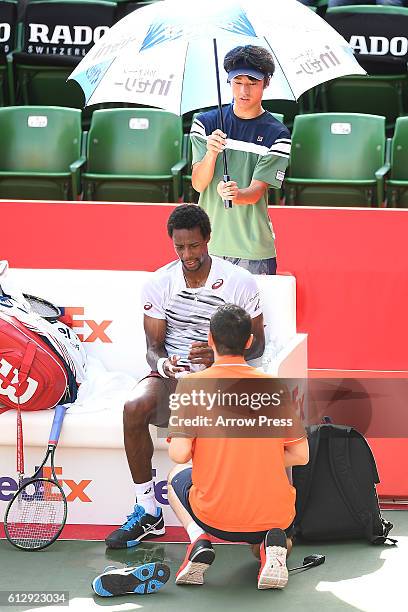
194, 531
145, 496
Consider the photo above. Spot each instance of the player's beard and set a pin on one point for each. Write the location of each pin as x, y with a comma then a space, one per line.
198, 264
195, 268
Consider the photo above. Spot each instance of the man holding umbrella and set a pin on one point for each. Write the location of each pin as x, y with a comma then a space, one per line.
170, 44
257, 147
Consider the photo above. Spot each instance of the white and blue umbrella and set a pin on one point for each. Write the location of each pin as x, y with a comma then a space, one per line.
170, 54
163, 54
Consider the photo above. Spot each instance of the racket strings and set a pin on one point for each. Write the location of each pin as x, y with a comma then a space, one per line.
36, 516
42, 307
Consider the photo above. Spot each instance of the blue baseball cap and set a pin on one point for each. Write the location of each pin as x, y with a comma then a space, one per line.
245, 70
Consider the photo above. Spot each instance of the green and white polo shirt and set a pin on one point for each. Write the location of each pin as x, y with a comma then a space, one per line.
258, 149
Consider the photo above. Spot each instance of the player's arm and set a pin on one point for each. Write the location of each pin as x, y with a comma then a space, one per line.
180, 449
242, 197
258, 343
296, 452
203, 171
155, 330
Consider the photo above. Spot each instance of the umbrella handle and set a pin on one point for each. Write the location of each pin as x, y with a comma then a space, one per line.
226, 177
227, 203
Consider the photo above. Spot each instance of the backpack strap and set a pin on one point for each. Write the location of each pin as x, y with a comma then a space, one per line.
313, 430
339, 447
381, 539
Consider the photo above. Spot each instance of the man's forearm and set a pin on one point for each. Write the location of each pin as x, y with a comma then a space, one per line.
290, 459
154, 353
248, 196
179, 457
180, 450
296, 454
203, 172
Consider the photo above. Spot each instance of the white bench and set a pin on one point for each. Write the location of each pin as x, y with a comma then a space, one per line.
91, 452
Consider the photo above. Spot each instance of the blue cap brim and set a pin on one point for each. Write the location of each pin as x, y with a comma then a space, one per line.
246, 71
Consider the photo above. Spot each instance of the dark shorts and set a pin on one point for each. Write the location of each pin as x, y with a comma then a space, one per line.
181, 484
161, 415
255, 266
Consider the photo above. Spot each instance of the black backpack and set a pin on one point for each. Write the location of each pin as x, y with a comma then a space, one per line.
336, 497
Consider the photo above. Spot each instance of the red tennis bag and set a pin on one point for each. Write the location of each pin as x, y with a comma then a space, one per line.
30, 372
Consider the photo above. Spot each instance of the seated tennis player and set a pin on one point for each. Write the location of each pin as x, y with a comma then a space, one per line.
237, 488
178, 301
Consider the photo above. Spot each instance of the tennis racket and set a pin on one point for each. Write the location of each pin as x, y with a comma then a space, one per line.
20, 445
37, 513
44, 308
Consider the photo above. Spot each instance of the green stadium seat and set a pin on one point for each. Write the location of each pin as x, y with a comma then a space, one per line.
8, 25
41, 157
397, 184
189, 193
377, 34
134, 155
289, 108
337, 160
53, 38
370, 94
189, 117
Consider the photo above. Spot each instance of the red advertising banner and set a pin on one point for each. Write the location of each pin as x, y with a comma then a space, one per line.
350, 265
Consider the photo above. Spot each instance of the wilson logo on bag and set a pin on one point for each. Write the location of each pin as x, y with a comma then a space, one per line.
30, 372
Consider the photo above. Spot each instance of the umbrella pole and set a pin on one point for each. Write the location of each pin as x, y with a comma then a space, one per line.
227, 203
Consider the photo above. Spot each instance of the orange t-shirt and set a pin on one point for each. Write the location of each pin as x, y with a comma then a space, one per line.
240, 484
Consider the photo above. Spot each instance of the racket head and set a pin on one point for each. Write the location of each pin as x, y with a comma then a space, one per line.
42, 307
36, 514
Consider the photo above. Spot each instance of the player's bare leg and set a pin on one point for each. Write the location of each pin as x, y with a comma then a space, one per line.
149, 404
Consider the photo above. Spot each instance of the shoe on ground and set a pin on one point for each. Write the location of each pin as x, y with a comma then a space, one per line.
139, 580
199, 556
138, 525
273, 573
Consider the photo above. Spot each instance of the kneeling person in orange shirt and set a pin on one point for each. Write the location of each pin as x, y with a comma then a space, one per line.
237, 488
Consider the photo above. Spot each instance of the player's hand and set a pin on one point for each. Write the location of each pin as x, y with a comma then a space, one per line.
171, 368
216, 142
201, 353
228, 190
